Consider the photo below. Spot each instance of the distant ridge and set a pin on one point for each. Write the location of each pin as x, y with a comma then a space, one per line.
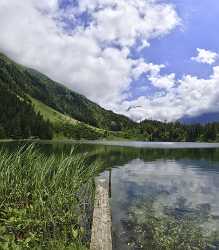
202, 119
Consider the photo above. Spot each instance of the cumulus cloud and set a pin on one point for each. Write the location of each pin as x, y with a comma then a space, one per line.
144, 44
205, 56
126, 20
91, 57
187, 96
140, 67
163, 82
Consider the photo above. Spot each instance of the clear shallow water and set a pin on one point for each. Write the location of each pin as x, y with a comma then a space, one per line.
178, 183
171, 188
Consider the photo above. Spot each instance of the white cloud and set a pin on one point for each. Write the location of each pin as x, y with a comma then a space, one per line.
84, 58
50, 5
141, 67
126, 20
187, 96
94, 60
144, 44
163, 82
205, 56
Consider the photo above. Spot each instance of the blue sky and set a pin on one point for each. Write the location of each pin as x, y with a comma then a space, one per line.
154, 59
199, 30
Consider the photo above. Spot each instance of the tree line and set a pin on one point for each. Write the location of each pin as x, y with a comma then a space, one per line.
19, 120
176, 131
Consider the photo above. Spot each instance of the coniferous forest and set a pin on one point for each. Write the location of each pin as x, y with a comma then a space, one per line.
19, 120
79, 118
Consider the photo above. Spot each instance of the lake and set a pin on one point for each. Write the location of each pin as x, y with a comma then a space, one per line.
161, 193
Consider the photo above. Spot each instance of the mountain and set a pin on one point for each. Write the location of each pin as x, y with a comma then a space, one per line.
39, 91
202, 119
18, 118
77, 106
34, 106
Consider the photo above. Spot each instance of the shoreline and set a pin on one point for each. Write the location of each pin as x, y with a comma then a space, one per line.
124, 143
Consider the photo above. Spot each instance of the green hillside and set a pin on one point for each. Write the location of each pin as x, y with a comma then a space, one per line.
59, 97
70, 115
66, 127
34, 106
18, 119
51, 114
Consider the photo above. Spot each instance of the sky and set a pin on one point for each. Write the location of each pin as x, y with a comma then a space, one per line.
147, 59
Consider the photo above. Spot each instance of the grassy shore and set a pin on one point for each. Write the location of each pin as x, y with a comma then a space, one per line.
45, 201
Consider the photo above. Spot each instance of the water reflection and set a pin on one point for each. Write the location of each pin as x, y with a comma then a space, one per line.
176, 189
172, 188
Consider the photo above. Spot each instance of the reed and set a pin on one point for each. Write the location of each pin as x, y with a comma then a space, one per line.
45, 200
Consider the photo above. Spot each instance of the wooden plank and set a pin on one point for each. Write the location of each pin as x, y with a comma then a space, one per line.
101, 237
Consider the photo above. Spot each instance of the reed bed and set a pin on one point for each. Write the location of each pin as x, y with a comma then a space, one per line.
45, 200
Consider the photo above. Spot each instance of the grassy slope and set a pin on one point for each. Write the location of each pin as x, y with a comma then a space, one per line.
73, 104
30, 82
56, 117
51, 114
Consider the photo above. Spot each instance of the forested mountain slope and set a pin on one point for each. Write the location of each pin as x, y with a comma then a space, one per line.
58, 97
18, 118
32, 105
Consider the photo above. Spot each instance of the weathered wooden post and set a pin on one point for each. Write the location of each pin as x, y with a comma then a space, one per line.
110, 183
101, 237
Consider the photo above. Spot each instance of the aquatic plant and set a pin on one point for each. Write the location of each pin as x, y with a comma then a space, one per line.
45, 200
145, 230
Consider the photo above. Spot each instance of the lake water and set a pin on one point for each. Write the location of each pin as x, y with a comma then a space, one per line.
161, 193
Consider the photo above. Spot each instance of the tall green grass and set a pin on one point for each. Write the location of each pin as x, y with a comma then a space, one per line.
45, 200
